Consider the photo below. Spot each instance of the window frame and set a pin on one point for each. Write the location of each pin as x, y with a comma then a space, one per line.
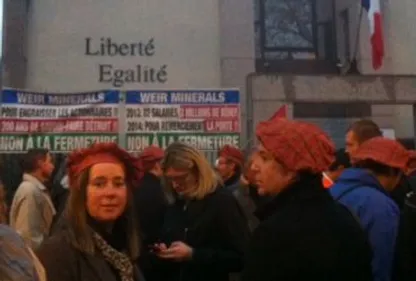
314, 65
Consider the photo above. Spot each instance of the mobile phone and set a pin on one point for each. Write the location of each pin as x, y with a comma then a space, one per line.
154, 248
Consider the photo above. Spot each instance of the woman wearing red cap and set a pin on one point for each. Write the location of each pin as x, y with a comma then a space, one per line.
204, 232
303, 234
100, 241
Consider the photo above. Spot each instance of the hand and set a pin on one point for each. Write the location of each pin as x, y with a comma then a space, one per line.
158, 247
178, 251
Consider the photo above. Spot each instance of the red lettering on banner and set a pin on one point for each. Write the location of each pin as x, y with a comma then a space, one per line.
74, 126
58, 126
51, 126
99, 125
212, 126
229, 112
225, 112
7, 126
34, 126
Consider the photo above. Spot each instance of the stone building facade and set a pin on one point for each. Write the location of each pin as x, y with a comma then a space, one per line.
301, 61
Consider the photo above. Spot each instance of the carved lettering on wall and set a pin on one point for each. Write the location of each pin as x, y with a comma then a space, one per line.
137, 73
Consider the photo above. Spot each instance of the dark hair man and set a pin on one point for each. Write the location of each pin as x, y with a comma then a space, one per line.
32, 210
342, 162
359, 132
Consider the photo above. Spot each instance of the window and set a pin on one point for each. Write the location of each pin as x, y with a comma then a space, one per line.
294, 32
331, 110
334, 118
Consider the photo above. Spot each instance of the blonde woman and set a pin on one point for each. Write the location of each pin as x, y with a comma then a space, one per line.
205, 231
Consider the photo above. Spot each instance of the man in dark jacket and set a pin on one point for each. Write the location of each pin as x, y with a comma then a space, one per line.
364, 130
405, 269
378, 165
405, 263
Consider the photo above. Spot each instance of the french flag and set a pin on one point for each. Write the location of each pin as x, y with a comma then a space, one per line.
280, 113
376, 30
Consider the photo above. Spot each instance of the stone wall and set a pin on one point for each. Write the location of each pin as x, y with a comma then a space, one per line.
14, 40
391, 97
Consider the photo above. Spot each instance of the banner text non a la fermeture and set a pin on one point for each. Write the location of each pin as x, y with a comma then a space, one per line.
205, 119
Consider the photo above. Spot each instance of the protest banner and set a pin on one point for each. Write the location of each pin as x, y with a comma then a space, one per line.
58, 122
206, 119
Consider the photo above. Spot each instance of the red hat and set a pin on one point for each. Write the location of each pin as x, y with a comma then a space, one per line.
82, 159
384, 151
150, 155
299, 146
232, 153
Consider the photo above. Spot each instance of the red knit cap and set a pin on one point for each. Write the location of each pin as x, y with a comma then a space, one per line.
384, 151
232, 153
150, 156
82, 159
299, 146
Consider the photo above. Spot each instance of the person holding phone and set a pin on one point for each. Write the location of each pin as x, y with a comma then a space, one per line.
204, 233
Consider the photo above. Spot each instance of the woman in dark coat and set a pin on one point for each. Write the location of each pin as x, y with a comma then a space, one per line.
303, 234
100, 241
149, 197
150, 203
205, 232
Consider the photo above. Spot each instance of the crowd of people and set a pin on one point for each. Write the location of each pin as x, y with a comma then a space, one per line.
293, 209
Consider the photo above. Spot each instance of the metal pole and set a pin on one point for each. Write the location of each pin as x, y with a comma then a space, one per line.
358, 33
3, 9
122, 120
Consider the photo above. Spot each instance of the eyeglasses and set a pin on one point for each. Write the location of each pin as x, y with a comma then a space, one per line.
179, 179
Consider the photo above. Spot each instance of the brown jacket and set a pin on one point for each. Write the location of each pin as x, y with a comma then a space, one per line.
71, 264
32, 211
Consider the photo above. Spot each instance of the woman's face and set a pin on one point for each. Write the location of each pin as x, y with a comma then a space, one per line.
270, 178
181, 180
106, 192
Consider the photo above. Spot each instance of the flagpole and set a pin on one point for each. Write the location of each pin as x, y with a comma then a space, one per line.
353, 67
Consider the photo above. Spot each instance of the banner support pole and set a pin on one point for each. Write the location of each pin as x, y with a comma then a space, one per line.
122, 120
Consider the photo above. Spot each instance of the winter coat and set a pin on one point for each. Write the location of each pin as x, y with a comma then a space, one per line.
216, 229
379, 215
305, 235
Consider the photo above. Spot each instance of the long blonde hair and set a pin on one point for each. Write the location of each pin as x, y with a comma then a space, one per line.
184, 157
